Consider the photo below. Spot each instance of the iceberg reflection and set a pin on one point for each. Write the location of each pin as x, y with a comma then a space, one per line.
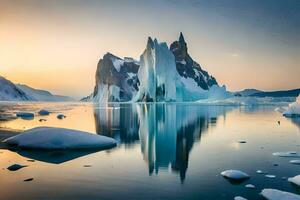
167, 132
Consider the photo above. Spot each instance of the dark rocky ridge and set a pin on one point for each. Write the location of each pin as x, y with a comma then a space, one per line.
187, 67
126, 78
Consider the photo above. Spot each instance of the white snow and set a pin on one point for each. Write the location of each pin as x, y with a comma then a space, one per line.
287, 154
117, 63
273, 194
239, 198
9, 92
295, 180
294, 109
59, 138
235, 174
296, 162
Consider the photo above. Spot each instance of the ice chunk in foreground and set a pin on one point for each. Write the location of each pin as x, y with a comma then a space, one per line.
295, 180
287, 154
59, 138
235, 174
294, 109
273, 194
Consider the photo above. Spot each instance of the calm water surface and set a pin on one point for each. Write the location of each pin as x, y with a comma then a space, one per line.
165, 151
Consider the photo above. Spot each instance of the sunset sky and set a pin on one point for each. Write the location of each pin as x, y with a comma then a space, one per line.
56, 44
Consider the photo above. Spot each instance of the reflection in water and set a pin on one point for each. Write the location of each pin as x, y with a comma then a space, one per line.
54, 157
167, 132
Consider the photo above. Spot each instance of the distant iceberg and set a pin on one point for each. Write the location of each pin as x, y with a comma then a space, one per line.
294, 109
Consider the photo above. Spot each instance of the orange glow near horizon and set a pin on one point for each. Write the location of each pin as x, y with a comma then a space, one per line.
57, 48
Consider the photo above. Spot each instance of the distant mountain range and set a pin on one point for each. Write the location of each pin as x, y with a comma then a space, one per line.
259, 93
19, 92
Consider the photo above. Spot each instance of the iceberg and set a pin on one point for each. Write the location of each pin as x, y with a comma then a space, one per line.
295, 180
235, 174
49, 138
273, 194
294, 109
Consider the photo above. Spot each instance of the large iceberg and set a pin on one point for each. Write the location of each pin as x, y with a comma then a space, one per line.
163, 74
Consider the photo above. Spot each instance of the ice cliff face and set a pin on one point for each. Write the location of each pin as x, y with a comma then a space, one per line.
157, 74
116, 79
162, 75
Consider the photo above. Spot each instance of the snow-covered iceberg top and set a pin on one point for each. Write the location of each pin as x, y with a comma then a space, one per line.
294, 109
49, 138
273, 194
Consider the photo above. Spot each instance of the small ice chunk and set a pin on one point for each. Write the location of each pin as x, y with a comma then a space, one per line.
49, 138
61, 116
16, 167
25, 115
295, 180
239, 198
250, 186
235, 174
287, 154
273, 194
270, 176
44, 112
296, 162
259, 172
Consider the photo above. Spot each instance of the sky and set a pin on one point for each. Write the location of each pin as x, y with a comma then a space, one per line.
56, 44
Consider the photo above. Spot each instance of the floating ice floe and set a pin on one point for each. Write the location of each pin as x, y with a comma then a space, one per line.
295, 180
287, 154
250, 186
44, 112
270, 176
25, 115
239, 198
61, 116
273, 194
295, 162
294, 109
59, 138
259, 172
235, 174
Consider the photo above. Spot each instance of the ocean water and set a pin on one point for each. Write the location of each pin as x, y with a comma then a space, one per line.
165, 151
